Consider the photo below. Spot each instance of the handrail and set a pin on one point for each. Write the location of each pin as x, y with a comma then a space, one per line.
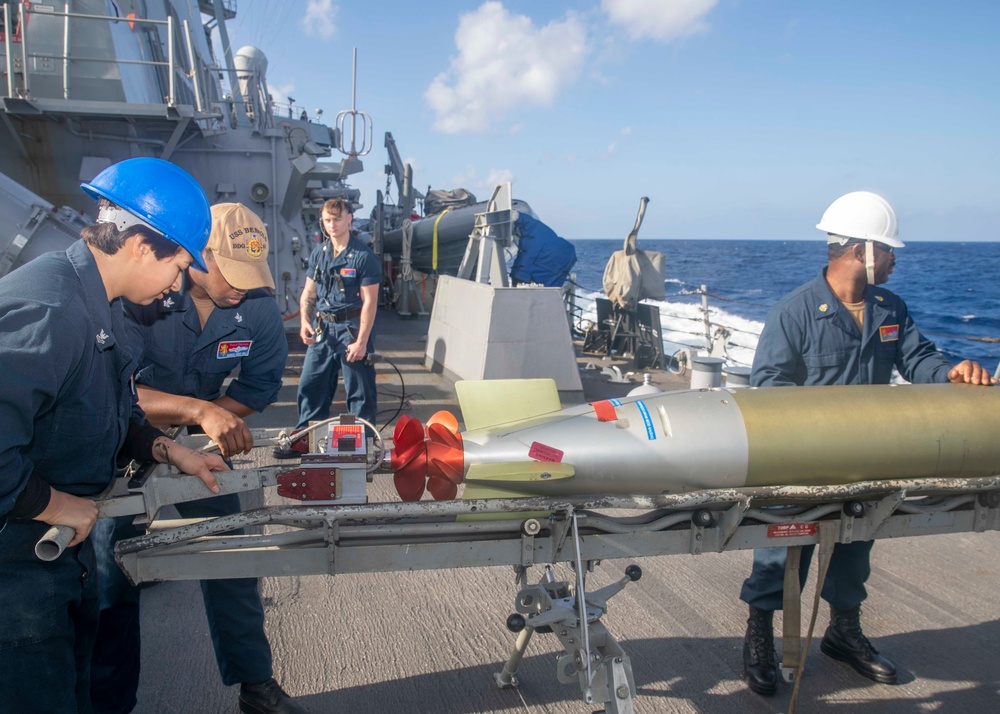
170, 64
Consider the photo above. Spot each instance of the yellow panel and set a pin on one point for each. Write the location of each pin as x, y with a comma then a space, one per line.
489, 402
524, 471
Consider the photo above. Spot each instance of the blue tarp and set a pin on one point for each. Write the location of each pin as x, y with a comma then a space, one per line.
542, 256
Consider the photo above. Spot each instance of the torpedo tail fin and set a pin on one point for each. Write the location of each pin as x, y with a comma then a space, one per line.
489, 402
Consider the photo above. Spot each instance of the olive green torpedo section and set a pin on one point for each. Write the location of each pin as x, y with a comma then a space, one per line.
519, 442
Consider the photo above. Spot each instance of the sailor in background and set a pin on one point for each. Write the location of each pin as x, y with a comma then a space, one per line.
337, 314
839, 329
68, 411
187, 343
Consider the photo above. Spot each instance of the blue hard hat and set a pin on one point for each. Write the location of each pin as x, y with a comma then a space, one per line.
163, 195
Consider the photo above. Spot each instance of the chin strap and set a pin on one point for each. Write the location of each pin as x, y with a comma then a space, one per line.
870, 261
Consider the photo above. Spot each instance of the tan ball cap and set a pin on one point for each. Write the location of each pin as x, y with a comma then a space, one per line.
239, 244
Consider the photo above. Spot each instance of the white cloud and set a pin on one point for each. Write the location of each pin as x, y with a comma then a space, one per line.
504, 62
659, 19
469, 177
319, 19
496, 177
471, 180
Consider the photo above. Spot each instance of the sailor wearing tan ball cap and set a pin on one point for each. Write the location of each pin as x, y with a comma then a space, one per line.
239, 245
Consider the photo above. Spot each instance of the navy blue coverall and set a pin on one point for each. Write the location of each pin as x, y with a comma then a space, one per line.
810, 338
66, 408
177, 356
338, 290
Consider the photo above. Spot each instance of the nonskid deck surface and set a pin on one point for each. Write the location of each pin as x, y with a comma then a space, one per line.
431, 641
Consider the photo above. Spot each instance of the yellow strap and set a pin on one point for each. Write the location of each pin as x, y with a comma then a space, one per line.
827, 542
791, 647
434, 246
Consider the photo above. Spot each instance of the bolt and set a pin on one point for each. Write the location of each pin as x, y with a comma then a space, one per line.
622, 692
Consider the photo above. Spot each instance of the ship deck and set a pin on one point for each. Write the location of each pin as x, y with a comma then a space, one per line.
430, 641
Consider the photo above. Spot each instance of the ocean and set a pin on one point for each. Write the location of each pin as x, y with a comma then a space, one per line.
950, 288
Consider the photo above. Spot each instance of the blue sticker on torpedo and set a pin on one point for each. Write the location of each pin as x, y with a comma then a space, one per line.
647, 420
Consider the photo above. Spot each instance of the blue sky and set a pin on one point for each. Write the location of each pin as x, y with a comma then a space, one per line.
737, 118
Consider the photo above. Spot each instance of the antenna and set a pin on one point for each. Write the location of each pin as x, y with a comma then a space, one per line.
366, 128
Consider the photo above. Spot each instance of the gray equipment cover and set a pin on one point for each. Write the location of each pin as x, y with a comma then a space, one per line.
633, 274
439, 200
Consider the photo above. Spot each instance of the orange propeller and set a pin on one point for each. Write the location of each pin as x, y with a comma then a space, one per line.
439, 458
409, 458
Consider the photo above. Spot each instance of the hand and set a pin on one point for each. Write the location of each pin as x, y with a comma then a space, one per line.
226, 429
356, 352
196, 463
970, 372
64, 509
307, 334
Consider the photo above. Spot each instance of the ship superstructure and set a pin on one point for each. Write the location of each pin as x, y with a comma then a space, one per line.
93, 82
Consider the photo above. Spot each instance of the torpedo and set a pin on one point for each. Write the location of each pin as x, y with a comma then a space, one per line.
518, 441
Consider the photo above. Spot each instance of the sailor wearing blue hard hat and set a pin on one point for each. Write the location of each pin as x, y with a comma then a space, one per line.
187, 344
69, 414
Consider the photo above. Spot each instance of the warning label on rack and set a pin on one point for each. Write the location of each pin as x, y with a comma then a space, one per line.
791, 530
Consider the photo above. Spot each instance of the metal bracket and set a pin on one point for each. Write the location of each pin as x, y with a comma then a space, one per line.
730, 521
878, 512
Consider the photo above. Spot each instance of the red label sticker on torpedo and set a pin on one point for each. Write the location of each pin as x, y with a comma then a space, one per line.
541, 452
235, 348
791, 530
889, 333
604, 410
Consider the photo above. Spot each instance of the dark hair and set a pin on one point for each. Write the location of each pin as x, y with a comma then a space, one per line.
109, 240
337, 205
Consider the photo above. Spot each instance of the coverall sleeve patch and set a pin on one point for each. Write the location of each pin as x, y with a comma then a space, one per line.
234, 348
889, 333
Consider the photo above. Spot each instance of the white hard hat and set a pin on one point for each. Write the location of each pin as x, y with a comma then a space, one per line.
862, 215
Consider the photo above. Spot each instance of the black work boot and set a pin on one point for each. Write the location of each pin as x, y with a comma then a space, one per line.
760, 663
268, 698
845, 641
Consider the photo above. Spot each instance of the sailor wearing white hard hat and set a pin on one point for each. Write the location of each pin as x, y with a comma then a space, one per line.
840, 328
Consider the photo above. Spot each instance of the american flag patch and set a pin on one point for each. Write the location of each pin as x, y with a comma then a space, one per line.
889, 333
